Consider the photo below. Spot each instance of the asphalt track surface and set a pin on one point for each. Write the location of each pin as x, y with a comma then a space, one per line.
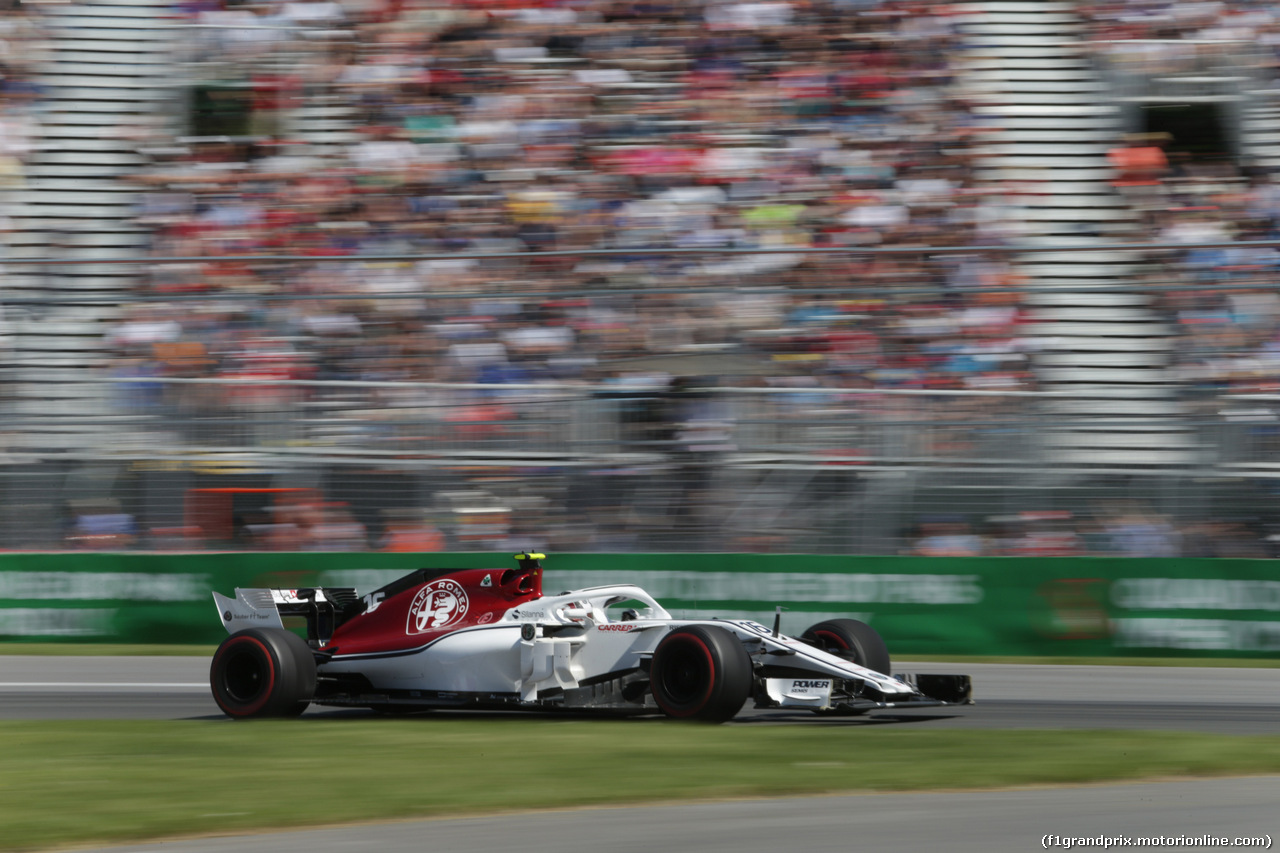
1231, 701
1009, 696
977, 822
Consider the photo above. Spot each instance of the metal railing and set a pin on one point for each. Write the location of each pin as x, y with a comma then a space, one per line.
595, 467
789, 453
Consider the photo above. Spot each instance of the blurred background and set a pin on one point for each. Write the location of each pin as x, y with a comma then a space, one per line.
832, 276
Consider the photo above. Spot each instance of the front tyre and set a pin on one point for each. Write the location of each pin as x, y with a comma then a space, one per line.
856, 642
263, 672
700, 672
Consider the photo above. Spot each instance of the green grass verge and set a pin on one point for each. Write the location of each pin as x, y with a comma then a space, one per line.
65, 783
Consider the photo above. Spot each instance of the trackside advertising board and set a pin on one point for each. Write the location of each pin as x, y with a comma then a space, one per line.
927, 606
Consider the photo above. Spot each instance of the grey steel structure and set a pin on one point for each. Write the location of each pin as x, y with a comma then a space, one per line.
726, 445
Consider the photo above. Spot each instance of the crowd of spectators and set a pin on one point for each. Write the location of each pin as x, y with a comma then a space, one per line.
1110, 529
20, 43
1219, 300
1113, 23
490, 128
21, 39
1153, 38
477, 131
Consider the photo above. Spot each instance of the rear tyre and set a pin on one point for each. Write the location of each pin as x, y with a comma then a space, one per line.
856, 642
702, 673
263, 672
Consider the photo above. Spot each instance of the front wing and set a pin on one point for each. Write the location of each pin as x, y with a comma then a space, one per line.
855, 696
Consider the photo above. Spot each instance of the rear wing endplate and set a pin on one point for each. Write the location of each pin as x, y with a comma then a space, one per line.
324, 609
251, 608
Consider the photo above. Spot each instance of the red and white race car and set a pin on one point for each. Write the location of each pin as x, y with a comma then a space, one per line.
489, 638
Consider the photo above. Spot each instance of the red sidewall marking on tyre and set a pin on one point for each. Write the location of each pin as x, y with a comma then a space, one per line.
832, 638
271, 676
711, 681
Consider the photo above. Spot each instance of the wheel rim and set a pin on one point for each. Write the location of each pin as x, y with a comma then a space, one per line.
687, 676
244, 676
682, 679
833, 643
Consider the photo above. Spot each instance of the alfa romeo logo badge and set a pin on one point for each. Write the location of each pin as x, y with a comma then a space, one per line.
437, 605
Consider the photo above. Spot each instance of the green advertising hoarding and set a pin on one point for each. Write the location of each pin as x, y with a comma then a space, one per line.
923, 606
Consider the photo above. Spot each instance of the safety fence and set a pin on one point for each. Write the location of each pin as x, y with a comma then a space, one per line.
1008, 606
844, 400
339, 466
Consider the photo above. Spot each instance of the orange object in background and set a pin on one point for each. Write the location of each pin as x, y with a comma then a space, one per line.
1138, 165
211, 513
404, 537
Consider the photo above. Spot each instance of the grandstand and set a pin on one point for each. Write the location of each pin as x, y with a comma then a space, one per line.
895, 289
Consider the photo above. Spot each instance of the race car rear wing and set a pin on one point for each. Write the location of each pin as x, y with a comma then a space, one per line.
323, 608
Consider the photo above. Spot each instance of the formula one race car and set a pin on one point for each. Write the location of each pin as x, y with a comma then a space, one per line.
489, 638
